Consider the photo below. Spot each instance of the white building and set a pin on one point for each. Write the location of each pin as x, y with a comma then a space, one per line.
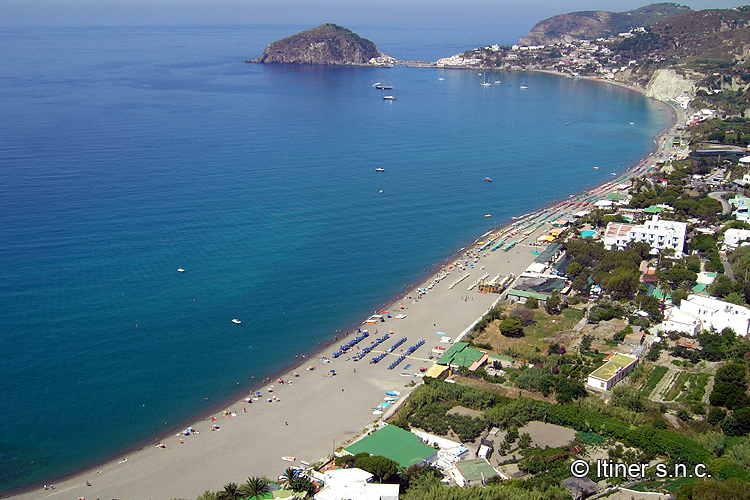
659, 234
617, 366
733, 237
354, 484
713, 314
677, 321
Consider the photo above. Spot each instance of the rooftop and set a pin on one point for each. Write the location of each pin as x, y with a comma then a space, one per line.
461, 354
612, 366
476, 470
395, 443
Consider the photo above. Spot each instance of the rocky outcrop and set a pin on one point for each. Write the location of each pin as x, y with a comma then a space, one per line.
668, 85
589, 25
327, 44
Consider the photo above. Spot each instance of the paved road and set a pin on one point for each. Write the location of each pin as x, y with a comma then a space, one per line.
725, 206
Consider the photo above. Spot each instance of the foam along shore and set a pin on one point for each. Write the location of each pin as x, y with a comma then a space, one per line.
310, 413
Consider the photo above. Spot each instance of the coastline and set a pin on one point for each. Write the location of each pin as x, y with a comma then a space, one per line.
146, 450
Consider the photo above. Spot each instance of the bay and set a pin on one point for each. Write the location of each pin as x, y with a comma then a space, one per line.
126, 153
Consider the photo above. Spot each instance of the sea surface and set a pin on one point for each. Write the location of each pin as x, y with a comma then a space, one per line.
127, 153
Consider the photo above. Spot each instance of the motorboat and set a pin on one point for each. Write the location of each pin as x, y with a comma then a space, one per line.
524, 87
236, 321
488, 215
380, 86
487, 179
389, 98
180, 270
380, 170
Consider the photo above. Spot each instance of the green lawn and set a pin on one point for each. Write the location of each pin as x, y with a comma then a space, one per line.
546, 325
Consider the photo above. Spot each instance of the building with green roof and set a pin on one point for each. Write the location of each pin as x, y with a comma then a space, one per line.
460, 354
611, 372
653, 209
397, 444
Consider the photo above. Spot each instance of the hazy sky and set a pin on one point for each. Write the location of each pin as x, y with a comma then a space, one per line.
521, 13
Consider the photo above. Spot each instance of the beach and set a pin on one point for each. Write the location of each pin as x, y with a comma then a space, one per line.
319, 412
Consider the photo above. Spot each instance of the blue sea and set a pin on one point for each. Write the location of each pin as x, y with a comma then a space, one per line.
127, 153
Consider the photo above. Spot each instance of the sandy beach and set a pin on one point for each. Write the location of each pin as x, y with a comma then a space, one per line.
309, 415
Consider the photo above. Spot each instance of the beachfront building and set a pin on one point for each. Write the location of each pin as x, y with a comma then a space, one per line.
659, 234
615, 368
473, 472
397, 444
698, 312
354, 484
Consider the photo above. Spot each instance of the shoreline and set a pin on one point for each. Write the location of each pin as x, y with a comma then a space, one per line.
286, 372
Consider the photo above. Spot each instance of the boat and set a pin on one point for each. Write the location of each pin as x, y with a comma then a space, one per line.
377, 412
488, 215
596, 168
382, 86
485, 82
289, 459
389, 98
498, 81
180, 270
393, 393
380, 170
236, 321
487, 179
441, 79
524, 87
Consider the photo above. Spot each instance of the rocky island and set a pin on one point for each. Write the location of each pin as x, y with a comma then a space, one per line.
328, 44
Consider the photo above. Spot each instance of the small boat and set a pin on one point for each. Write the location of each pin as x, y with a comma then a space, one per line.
380, 170
289, 459
393, 393
377, 412
524, 87
381, 86
236, 321
487, 179
596, 168
498, 81
389, 98
180, 270
441, 79
488, 215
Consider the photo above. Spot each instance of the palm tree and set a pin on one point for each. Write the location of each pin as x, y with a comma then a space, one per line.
289, 474
255, 486
230, 492
207, 495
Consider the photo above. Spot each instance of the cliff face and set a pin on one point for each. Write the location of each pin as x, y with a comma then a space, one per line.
327, 44
590, 25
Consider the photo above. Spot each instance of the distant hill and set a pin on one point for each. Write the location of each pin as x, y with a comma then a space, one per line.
327, 44
589, 25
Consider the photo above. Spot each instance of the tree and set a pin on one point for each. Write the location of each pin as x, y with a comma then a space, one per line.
525, 315
742, 416
573, 269
524, 441
553, 303
289, 474
586, 343
730, 386
568, 389
511, 327
302, 485
255, 487
230, 492
532, 303
383, 468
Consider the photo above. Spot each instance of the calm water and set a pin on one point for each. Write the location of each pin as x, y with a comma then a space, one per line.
127, 153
